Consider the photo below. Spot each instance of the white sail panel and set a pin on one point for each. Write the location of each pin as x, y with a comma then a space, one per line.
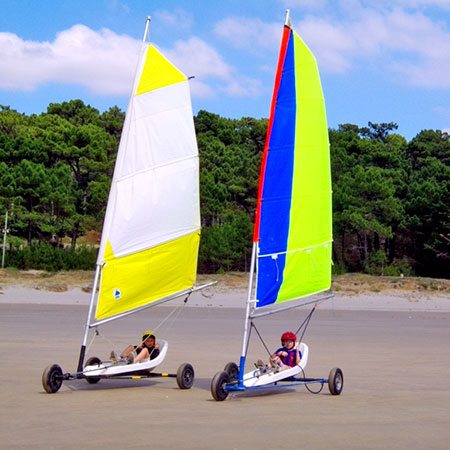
154, 197
155, 194
170, 211
161, 124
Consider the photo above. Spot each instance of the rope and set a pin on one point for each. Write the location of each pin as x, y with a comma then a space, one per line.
248, 339
97, 333
92, 340
305, 323
261, 339
177, 310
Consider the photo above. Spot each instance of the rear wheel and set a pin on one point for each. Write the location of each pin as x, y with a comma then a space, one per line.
218, 390
52, 378
232, 370
92, 362
185, 376
335, 381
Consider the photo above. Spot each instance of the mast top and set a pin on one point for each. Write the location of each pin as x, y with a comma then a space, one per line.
147, 25
287, 21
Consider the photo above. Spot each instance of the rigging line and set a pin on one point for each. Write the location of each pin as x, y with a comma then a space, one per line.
97, 333
263, 343
306, 323
248, 340
177, 310
92, 340
175, 318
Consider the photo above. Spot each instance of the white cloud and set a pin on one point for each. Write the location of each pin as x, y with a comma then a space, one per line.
197, 58
101, 61
249, 34
104, 62
331, 45
409, 45
243, 87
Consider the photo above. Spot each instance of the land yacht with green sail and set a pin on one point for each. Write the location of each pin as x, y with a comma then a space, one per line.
292, 238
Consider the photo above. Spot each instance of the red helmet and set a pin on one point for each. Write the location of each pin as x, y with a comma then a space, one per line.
288, 336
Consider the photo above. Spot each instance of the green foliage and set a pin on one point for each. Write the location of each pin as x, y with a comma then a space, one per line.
376, 262
427, 203
391, 208
399, 268
55, 169
42, 256
230, 153
390, 200
226, 246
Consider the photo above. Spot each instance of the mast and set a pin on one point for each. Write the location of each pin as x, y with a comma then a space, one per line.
247, 313
88, 320
287, 21
147, 26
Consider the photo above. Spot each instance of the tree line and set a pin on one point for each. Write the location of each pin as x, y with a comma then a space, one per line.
391, 207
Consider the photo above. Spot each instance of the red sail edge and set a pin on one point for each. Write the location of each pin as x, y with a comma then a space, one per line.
284, 43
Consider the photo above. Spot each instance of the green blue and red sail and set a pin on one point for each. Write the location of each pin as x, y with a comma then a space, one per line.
293, 228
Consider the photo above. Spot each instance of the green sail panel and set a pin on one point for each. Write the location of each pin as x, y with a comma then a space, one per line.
293, 227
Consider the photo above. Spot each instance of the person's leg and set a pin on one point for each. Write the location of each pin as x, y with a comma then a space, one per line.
127, 351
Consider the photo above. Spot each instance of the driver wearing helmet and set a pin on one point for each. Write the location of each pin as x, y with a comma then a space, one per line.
148, 349
288, 355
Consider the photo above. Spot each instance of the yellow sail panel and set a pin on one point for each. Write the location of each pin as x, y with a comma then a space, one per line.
140, 278
158, 72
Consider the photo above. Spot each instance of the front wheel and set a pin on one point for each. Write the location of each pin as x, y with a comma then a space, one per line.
52, 378
92, 362
335, 381
218, 383
185, 376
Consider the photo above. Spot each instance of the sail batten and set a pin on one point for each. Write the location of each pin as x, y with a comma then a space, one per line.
293, 218
151, 230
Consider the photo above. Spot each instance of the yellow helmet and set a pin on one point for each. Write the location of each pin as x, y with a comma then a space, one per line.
147, 334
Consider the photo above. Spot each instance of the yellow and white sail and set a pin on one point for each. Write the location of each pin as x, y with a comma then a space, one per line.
151, 231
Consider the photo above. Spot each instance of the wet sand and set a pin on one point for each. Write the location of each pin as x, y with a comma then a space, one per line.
395, 362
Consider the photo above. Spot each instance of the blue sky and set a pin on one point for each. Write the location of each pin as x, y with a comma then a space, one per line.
380, 60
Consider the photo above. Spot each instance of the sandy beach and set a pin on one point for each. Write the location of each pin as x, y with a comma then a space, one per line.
350, 293
392, 348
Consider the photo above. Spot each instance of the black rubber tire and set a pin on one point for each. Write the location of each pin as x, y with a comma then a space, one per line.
90, 362
335, 381
52, 378
218, 383
185, 376
232, 369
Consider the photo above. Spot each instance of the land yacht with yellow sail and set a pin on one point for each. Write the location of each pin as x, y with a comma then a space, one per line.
151, 232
